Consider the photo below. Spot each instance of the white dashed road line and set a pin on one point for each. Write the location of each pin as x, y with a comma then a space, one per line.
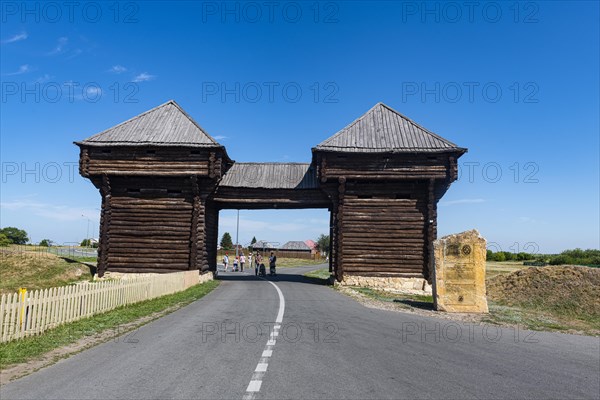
261, 368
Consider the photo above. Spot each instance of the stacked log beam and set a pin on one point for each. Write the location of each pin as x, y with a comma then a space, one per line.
386, 218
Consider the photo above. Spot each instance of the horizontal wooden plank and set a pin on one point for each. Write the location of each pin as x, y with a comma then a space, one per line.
172, 259
146, 267
126, 269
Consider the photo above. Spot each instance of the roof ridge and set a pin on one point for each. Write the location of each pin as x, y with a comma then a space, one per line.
418, 125
192, 120
368, 137
132, 119
149, 128
351, 124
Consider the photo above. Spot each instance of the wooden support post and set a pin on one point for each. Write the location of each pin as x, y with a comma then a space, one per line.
330, 250
431, 231
105, 216
194, 226
339, 271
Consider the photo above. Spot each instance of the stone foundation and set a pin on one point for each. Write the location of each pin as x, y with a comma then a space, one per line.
205, 277
389, 284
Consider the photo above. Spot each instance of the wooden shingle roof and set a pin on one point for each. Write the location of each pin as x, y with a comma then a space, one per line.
270, 176
261, 244
295, 245
384, 130
165, 125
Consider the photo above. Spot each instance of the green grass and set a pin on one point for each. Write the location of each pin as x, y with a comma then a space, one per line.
28, 348
38, 271
540, 320
293, 262
322, 273
319, 276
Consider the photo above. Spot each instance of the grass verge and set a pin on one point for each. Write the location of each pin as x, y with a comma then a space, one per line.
293, 262
23, 350
539, 299
322, 273
38, 271
319, 276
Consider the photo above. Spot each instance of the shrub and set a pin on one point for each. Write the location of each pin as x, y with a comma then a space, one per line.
16, 236
4, 240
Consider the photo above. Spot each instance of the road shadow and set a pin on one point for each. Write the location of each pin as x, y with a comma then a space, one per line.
92, 267
296, 278
415, 303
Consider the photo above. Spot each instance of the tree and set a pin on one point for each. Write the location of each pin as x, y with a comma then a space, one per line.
323, 243
253, 240
45, 242
15, 235
226, 242
85, 243
4, 240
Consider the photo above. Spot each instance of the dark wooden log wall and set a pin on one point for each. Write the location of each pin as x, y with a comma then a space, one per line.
212, 232
383, 167
244, 198
384, 217
382, 228
154, 214
145, 161
150, 226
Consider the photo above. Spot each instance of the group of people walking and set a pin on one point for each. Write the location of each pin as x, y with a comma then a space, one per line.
259, 267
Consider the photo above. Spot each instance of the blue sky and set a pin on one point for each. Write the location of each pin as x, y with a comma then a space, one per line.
516, 83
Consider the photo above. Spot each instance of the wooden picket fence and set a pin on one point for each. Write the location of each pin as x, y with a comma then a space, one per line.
31, 313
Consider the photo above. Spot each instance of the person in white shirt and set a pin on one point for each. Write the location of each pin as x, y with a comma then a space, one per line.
225, 261
242, 262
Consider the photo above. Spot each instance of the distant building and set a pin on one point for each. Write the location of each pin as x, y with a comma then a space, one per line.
263, 245
296, 245
296, 249
313, 246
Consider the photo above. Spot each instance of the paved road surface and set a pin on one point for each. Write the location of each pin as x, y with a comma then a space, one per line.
326, 346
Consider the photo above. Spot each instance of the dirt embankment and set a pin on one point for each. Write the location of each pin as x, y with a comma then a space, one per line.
565, 289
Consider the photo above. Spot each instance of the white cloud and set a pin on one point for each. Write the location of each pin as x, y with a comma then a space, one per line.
23, 69
461, 201
143, 77
50, 211
74, 53
16, 38
60, 46
93, 91
117, 69
219, 137
42, 79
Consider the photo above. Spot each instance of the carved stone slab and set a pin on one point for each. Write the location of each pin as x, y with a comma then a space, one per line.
459, 281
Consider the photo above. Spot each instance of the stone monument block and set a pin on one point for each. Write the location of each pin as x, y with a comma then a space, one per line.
459, 273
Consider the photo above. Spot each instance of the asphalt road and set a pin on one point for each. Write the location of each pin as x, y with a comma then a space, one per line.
325, 346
